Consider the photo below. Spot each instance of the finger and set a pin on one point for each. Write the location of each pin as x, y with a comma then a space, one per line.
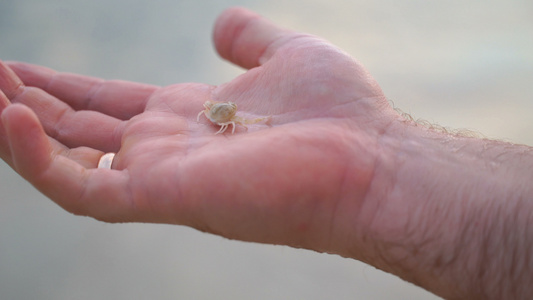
24, 132
120, 99
245, 38
72, 128
102, 194
10, 83
85, 156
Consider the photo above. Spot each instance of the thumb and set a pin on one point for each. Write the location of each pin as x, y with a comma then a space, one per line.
245, 38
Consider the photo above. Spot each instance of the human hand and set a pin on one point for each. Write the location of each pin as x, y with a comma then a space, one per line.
276, 183
336, 169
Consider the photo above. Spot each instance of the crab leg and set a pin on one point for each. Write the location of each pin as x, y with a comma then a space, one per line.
198, 117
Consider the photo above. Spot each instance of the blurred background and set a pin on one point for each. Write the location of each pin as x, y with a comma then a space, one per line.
461, 64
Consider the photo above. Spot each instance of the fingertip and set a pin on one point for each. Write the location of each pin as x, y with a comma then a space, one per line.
10, 83
19, 120
228, 25
29, 145
242, 36
12, 111
31, 75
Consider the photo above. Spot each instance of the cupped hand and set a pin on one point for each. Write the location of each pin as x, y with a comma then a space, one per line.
296, 179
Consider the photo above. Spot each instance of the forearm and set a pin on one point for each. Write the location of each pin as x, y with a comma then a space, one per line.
451, 214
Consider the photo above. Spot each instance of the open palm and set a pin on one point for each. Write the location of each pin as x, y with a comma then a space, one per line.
276, 182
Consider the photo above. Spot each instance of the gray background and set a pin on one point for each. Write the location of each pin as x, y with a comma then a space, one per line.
462, 64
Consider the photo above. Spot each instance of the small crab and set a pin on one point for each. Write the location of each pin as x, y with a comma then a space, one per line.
224, 114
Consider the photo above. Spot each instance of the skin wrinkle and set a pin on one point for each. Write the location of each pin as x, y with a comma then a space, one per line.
343, 182
19, 89
86, 198
88, 102
318, 207
117, 135
369, 215
322, 115
379, 164
23, 90
154, 169
339, 107
346, 184
288, 37
63, 118
130, 198
47, 85
80, 209
336, 207
133, 195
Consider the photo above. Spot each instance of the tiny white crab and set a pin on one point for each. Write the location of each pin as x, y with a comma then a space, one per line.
224, 114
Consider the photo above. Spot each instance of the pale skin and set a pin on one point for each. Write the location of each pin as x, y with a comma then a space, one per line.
335, 170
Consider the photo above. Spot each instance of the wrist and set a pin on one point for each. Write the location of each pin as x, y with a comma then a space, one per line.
440, 207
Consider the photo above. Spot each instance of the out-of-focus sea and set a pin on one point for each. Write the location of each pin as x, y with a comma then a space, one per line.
462, 64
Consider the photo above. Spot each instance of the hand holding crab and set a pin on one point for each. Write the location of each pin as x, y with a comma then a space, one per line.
167, 168
310, 180
165, 160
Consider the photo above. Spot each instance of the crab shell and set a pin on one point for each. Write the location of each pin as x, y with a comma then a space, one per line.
220, 112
